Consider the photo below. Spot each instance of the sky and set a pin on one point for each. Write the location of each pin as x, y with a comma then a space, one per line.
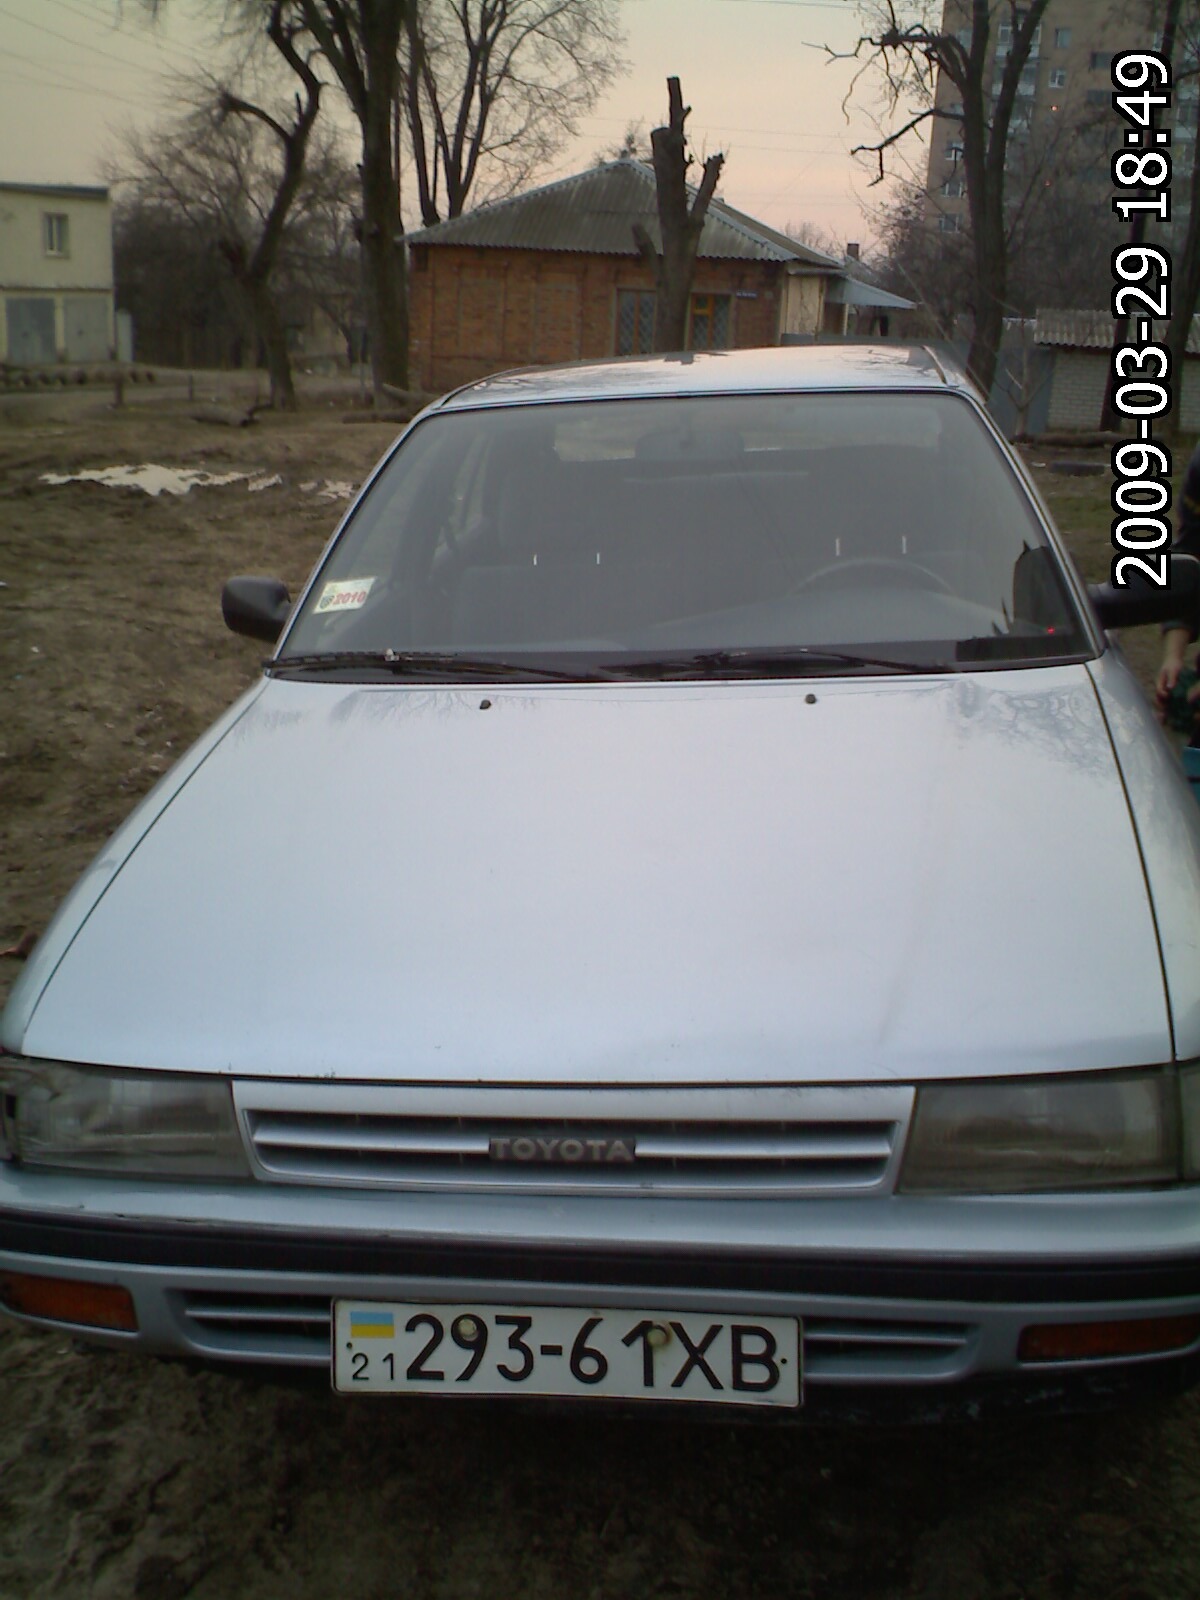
762, 88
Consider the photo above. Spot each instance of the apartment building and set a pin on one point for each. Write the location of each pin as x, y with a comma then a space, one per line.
1063, 123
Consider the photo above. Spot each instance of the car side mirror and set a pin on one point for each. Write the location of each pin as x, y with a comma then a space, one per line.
257, 607
1142, 601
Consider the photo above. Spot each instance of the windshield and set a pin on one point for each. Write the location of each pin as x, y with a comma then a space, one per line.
736, 529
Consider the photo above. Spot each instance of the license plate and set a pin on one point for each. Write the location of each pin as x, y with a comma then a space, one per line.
564, 1351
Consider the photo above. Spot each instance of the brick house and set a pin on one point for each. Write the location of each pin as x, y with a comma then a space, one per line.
554, 275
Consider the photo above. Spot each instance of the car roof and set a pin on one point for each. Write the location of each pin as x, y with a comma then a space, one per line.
790, 368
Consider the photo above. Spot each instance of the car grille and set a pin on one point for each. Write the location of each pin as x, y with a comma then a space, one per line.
850, 1350
296, 1328
748, 1142
264, 1326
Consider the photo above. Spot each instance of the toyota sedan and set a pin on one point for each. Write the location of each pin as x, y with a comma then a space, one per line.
694, 912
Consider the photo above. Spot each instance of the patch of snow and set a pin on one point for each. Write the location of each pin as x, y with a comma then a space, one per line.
153, 479
150, 478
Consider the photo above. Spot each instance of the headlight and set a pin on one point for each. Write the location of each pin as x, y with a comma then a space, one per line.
145, 1124
1023, 1134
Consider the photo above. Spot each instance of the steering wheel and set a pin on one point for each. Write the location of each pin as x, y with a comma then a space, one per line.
842, 572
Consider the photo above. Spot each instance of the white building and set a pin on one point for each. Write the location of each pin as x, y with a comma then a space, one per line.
56, 274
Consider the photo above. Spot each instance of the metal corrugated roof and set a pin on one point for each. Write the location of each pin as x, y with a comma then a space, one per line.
593, 213
857, 292
1093, 330
61, 191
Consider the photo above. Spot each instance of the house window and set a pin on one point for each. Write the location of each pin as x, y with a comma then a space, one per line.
1058, 77
954, 152
635, 322
1101, 60
954, 189
1062, 38
947, 223
55, 236
708, 322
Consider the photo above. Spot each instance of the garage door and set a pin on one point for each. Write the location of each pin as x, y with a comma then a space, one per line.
30, 324
86, 328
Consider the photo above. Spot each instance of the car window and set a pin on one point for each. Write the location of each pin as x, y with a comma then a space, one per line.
624, 528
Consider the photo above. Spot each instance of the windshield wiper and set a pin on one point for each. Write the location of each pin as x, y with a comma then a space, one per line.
415, 663
767, 662
758, 662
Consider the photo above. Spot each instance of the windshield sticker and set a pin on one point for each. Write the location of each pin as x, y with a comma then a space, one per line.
346, 595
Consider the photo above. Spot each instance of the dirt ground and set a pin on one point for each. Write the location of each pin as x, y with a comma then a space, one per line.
124, 1479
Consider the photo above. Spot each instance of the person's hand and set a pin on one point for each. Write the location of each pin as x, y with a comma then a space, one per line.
1168, 677
1172, 666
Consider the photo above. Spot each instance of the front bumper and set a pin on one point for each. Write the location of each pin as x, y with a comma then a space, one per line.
923, 1299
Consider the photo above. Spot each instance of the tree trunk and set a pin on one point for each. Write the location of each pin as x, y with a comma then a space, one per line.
991, 291
680, 226
984, 353
274, 337
360, 40
422, 160
985, 150
382, 259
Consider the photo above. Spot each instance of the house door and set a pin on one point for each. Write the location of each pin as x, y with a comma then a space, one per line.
30, 324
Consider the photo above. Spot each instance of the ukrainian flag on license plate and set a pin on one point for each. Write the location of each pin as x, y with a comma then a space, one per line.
372, 1325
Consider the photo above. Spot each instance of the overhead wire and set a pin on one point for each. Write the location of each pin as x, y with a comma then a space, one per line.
92, 49
145, 38
68, 84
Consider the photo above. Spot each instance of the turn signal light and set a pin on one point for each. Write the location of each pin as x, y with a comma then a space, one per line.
88, 1305
1099, 1341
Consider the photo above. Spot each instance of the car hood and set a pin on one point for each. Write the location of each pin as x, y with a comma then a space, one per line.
845, 880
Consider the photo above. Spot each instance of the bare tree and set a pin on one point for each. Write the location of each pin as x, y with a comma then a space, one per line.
248, 190
633, 145
492, 87
912, 42
1060, 229
680, 223
814, 235
324, 268
169, 273
252, 260
931, 268
360, 41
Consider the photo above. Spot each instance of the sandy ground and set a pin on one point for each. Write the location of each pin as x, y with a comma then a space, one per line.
121, 1477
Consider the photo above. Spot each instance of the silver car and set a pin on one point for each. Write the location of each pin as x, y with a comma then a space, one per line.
694, 911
